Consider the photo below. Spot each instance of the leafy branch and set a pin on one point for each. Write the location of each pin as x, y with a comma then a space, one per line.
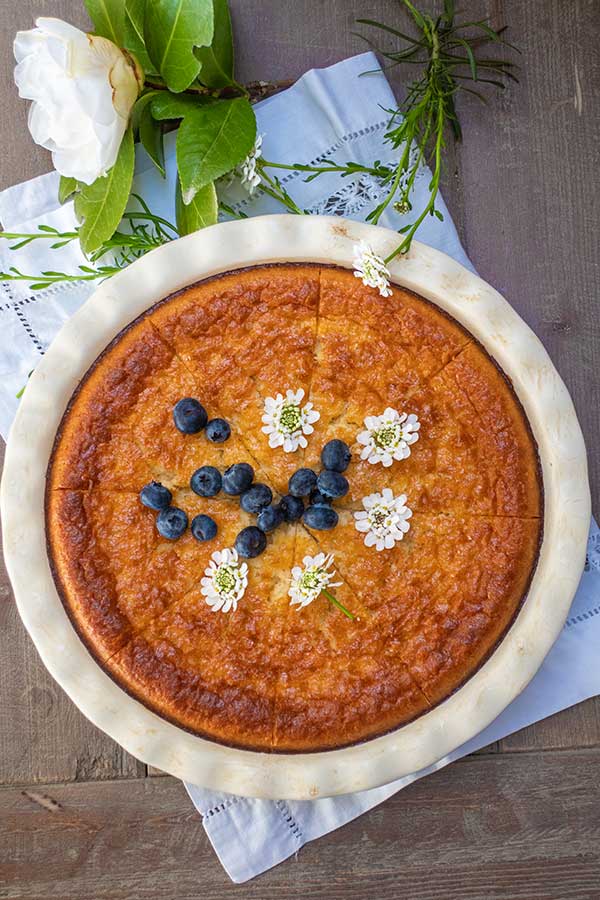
147, 231
449, 54
272, 187
185, 48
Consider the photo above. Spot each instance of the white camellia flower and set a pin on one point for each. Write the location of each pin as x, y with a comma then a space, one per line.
309, 583
388, 437
225, 581
83, 89
371, 269
286, 422
384, 519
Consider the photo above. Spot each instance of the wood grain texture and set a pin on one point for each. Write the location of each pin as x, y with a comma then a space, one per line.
520, 819
21, 158
531, 185
502, 827
580, 725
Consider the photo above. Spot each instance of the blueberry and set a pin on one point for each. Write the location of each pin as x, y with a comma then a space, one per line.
256, 498
302, 482
206, 481
155, 495
237, 478
269, 518
250, 542
332, 484
318, 499
203, 528
336, 456
171, 523
218, 430
189, 416
291, 508
322, 518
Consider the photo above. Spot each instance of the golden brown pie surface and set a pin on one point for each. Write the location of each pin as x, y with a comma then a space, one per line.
269, 675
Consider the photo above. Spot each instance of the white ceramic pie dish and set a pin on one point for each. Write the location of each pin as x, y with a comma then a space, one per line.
416, 745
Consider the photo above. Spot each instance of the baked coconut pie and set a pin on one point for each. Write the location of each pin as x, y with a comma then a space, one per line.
288, 513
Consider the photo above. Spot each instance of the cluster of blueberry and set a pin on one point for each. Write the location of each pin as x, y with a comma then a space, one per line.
324, 488
190, 417
256, 498
171, 521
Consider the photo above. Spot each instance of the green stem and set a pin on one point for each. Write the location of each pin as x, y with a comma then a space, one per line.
392, 192
45, 279
150, 217
224, 207
404, 246
274, 189
337, 603
350, 168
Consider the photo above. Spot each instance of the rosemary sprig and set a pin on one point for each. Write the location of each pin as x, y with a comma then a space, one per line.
272, 187
46, 279
327, 166
448, 52
230, 211
44, 232
147, 231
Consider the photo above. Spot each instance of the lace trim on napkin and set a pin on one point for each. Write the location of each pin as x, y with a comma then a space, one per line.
289, 820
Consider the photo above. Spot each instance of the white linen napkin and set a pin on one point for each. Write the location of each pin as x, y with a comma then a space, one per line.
332, 113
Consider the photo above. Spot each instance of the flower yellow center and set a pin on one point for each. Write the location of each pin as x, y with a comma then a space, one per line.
310, 581
387, 437
224, 579
290, 419
379, 517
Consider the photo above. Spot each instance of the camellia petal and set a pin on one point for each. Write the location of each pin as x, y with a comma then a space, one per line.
83, 89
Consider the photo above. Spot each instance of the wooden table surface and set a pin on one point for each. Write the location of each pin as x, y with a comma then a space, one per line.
79, 817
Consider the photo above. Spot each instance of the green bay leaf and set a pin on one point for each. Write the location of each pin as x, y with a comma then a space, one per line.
211, 141
66, 188
176, 106
201, 212
151, 136
135, 11
149, 130
172, 28
217, 60
100, 206
108, 17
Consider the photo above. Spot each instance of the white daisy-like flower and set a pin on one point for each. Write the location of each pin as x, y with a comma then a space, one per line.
371, 269
287, 422
225, 581
384, 519
309, 582
388, 437
247, 171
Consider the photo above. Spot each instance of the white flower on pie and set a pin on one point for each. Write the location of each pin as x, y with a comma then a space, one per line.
247, 171
309, 582
225, 581
388, 437
384, 519
371, 269
287, 422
